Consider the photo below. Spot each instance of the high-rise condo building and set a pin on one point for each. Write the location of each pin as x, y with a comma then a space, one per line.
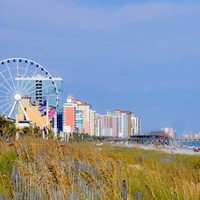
69, 115
124, 123
78, 116
87, 116
107, 124
135, 125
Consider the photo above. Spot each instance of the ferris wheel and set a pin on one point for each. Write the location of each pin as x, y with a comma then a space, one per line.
21, 81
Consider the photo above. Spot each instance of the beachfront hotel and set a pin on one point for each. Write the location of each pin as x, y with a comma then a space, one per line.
124, 123
107, 124
136, 125
79, 117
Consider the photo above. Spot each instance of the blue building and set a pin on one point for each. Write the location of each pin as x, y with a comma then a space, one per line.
79, 121
59, 84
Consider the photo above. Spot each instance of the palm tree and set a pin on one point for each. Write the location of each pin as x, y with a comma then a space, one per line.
7, 128
27, 130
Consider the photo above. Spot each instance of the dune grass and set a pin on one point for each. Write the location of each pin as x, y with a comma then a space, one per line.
7, 157
157, 175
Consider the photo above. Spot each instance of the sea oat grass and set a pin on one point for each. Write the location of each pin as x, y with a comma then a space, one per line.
58, 169
7, 157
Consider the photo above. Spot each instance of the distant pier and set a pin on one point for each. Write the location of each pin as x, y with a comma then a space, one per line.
163, 139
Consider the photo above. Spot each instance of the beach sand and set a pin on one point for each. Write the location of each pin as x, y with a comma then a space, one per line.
167, 149
170, 150
182, 151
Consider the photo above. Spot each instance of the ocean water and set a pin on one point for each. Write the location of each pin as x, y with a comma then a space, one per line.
189, 144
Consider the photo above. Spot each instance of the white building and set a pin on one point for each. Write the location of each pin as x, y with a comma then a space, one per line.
169, 131
135, 125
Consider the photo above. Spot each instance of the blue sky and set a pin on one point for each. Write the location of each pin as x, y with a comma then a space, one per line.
142, 56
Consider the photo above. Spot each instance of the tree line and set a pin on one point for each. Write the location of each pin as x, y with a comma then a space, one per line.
8, 129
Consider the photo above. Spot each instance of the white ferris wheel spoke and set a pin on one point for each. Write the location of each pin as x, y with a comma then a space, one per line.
44, 89
9, 91
7, 82
27, 65
8, 102
24, 89
32, 93
4, 92
11, 77
2, 110
5, 105
28, 89
12, 109
17, 61
5, 100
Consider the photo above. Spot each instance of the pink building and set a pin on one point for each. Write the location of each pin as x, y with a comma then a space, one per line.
108, 125
69, 118
69, 112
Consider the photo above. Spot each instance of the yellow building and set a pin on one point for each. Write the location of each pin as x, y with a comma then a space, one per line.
33, 114
86, 108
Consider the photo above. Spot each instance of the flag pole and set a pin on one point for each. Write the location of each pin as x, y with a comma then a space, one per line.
47, 112
55, 125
